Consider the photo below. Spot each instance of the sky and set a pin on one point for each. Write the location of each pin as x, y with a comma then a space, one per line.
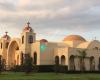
51, 19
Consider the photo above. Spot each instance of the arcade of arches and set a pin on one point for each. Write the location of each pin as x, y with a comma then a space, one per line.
81, 63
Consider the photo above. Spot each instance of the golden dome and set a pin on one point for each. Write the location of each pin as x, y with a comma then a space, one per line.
74, 38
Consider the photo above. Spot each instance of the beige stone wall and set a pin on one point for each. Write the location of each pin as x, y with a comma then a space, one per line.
47, 56
60, 52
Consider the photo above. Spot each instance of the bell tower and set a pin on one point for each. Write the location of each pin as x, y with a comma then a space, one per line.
28, 37
4, 43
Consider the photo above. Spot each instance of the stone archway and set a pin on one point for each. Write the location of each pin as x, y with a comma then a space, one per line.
12, 54
63, 60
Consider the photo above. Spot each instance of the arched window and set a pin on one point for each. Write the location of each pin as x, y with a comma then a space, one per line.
7, 43
57, 60
17, 59
30, 39
22, 39
35, 58
72, 62
1, 45
62, 60
22, 58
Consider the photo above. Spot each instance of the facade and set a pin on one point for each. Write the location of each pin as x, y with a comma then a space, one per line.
74, 51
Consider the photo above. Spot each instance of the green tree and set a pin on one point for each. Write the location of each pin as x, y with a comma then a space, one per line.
28, 65
82, 55
1, 64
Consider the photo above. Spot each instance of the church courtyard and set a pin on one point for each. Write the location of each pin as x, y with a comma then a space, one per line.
48, 76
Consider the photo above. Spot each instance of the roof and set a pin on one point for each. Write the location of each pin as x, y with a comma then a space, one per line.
84, 45
43, 40
74, 38
89, 44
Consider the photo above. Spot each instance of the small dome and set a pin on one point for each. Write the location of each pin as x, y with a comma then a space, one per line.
43, 40
6, 36
74, 38
28, 28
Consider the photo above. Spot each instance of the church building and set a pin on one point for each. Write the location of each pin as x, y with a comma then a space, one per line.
73, 51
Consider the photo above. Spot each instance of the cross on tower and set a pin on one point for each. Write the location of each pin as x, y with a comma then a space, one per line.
28, 24
6, 32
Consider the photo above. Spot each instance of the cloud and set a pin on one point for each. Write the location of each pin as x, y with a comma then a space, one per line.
22, 4
38, 2
56, 17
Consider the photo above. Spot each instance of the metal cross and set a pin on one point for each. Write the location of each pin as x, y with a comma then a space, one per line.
28, 24
6, 32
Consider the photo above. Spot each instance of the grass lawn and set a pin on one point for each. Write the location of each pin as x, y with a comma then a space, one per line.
48, 76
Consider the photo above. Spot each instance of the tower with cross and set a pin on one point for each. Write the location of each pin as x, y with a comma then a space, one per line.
27, 37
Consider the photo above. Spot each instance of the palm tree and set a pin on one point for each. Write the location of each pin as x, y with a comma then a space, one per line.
82, 55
